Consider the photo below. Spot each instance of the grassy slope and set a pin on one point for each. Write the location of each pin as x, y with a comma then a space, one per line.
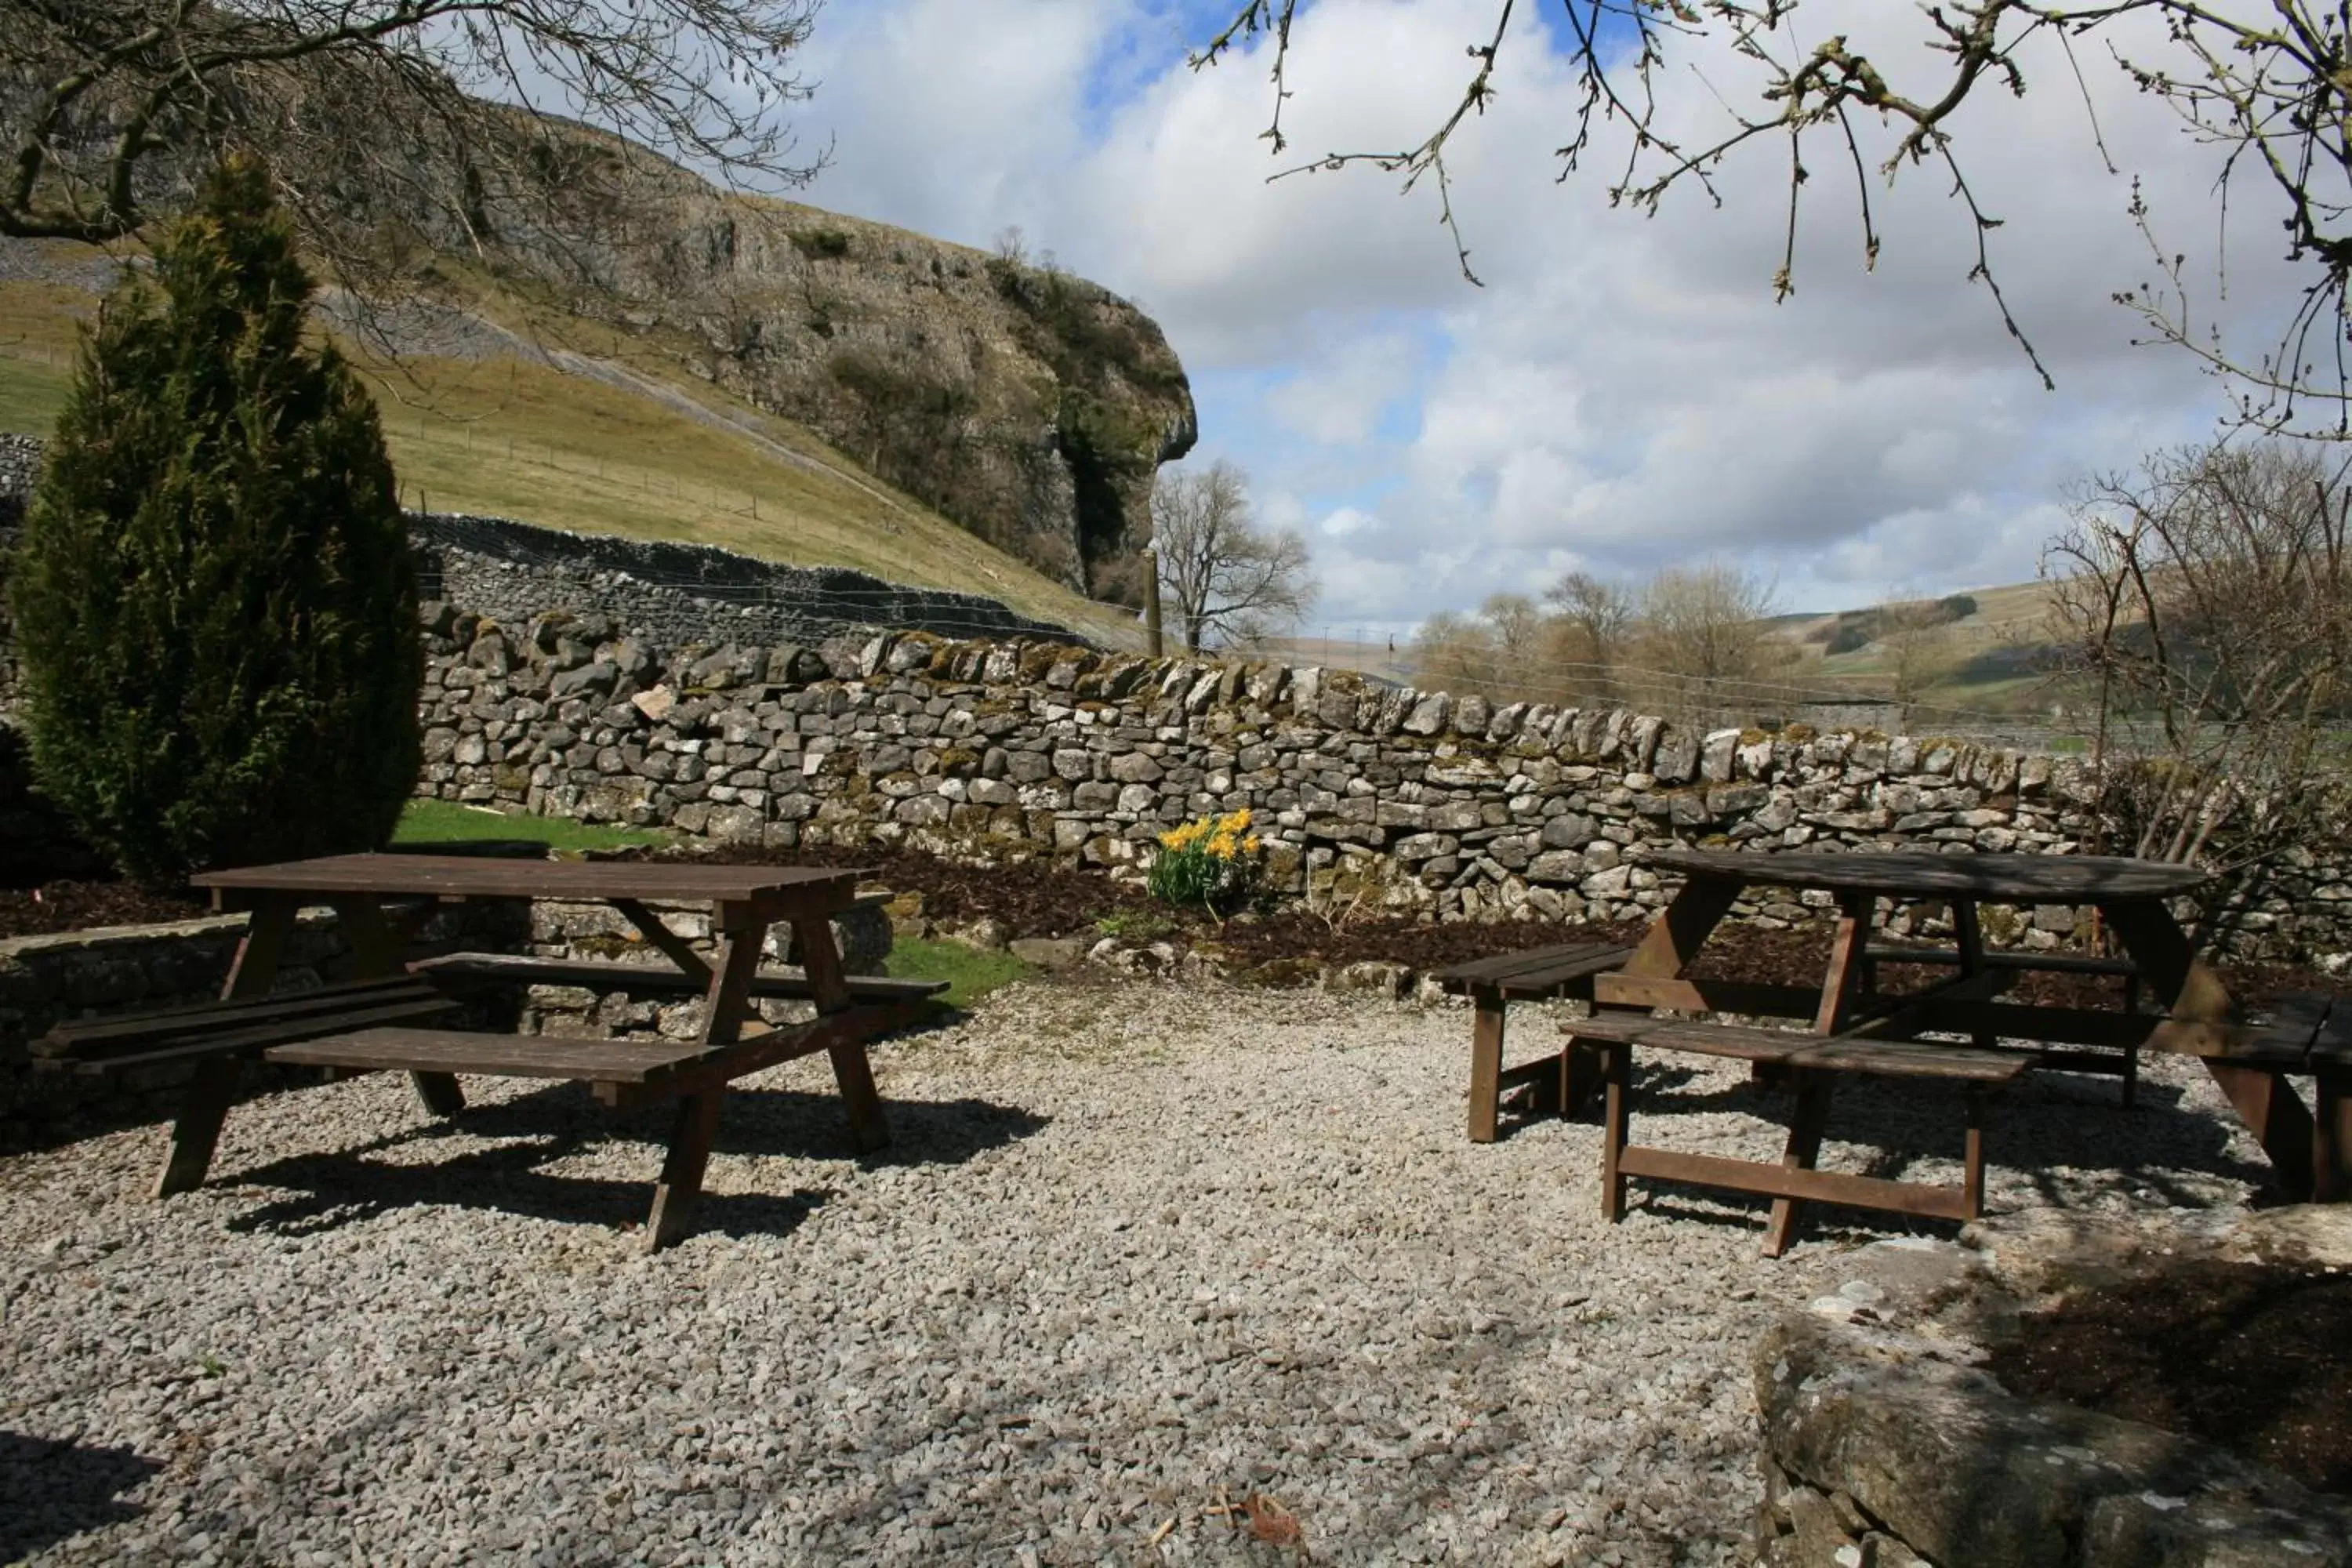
509, 437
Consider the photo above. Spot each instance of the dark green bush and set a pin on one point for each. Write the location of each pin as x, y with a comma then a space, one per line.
214, 592
1957, 607
1849, 637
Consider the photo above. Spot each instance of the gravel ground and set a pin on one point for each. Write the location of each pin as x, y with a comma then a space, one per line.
1140, 1255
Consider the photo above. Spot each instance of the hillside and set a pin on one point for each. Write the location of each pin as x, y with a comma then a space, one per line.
607, 434
1992, 660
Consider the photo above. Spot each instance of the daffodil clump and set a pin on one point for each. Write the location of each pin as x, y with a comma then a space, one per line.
1212, 861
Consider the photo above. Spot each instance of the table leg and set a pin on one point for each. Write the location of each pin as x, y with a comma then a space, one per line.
1616, 1118
204, 1102
375, 952
682, 1168
1972, 1162
1486, 1064
1805, 1130
203, 1106
852, 1071
2331, 1147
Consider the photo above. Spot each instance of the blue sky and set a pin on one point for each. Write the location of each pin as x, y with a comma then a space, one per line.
1624, 394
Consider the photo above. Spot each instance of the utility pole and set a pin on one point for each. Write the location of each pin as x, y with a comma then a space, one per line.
1151, 599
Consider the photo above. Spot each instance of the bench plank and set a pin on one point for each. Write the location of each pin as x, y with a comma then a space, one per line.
423, 1009
1534, 967
1795, 1181
89, 1037
505, 1055
1848, 1052
616, 974
2006, 958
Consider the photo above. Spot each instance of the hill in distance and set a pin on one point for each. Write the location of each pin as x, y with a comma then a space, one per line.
602, 428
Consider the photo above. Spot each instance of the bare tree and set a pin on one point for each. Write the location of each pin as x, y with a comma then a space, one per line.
1224, 579
1591, 625
2206, 603
1498, 653
414, 115
2269, 85
1916, 636
1701, 638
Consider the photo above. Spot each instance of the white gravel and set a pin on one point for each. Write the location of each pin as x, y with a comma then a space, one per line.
1138, 1253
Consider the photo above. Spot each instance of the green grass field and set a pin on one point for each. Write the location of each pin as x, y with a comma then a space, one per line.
447, 822
972, 973
679, 460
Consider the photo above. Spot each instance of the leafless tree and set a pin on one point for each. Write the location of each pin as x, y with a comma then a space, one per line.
2271, 84
1701, 641
1224, 579
2206, 604
1916, 636
1591, 626
444, 118
1498, 653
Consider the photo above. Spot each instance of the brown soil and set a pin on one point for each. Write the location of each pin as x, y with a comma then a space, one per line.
61, 906
1037, 897
2257, 1359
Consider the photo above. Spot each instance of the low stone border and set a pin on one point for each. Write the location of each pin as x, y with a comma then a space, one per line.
1886, 1444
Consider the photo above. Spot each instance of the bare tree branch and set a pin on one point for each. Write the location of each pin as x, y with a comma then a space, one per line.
1223, 579
2272, 85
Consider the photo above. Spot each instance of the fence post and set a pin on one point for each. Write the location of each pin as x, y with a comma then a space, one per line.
1151, 599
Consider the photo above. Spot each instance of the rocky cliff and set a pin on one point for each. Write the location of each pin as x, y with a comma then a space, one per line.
1030, 406
1027, 404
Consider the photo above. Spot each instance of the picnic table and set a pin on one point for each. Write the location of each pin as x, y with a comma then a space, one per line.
1855, 1026
745, 902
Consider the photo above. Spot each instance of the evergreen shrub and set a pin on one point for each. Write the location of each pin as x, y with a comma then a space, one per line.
214, 593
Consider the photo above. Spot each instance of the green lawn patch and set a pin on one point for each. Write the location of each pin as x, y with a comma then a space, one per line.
972, 973
444, 821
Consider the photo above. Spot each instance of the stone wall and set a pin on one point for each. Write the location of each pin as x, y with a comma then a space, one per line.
678, 594
672, 594
1381, 796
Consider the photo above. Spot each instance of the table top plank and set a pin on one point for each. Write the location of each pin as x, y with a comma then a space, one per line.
1995, 877
470, 875
1536, 966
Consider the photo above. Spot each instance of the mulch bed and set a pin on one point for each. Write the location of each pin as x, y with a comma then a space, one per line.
1038, 899
66, 905
2251, 1357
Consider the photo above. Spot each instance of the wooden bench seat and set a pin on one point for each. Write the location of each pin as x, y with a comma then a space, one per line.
1814, 1061
2307, 1034
2006, 958
1561, 972
613, 975
243, 1026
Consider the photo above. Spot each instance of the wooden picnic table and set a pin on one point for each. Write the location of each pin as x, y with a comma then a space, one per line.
745, 902
1856, 1027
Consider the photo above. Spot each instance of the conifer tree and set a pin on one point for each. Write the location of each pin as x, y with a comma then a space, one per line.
213, 594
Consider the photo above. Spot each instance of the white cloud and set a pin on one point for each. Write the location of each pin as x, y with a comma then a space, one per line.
1624, 393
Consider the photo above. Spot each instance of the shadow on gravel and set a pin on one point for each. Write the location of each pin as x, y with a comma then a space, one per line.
51, 1490
555, 1123
331, 1190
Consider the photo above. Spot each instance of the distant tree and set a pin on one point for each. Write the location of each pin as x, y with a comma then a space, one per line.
382, 114
214, 597
1701, 638
1916, 634
2269, 85
2205, 605
1592, 623
1224, 580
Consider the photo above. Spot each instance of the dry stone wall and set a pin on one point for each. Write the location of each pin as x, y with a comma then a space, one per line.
1367, 795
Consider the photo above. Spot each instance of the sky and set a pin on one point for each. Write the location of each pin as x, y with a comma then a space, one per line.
1624, 393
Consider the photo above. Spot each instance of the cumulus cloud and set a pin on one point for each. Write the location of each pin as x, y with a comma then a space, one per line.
1624, 393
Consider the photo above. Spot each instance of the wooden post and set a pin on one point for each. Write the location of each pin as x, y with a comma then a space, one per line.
1486, 1063
1151, 599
